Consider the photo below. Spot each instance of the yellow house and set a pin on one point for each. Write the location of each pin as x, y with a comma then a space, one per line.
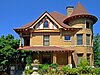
57, 38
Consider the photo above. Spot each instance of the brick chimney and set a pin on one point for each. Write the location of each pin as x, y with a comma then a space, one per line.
69, 10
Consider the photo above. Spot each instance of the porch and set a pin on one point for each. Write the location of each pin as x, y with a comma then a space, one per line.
51, 54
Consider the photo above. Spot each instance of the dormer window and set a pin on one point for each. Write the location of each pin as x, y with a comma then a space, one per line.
46, 24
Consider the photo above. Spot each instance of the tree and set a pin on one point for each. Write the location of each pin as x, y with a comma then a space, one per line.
96, 47
8, 49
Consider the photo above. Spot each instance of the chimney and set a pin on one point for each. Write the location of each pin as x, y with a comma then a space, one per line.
69, 10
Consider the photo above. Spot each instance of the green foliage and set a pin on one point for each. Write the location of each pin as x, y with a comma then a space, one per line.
55, 65
28, 71
83, 63
83, 69
8, 49
97, 71
65, 69
29, 60
53, 68
96, 47
4, 62
43, 68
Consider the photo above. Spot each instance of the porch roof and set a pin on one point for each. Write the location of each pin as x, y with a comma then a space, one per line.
47, 48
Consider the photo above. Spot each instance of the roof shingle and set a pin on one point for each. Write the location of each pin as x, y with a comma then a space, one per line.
79, 10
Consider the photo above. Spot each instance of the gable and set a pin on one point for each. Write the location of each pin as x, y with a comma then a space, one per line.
39, 23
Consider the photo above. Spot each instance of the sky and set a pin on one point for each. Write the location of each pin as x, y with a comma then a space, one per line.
16, 13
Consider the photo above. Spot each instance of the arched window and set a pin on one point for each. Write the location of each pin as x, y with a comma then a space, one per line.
46, 24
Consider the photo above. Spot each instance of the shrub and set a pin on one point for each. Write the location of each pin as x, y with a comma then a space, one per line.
83, 63
44, 68
29, 60
65, 69
72, 71
55, 65
28, 71
97, 71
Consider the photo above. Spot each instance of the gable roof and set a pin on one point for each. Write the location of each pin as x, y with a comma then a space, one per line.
55, 15
60, 18
79, 10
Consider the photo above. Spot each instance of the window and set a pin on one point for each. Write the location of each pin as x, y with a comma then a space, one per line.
79, 58
87, 25
67, 38
79, 39
46, 24
46, 40
87, 39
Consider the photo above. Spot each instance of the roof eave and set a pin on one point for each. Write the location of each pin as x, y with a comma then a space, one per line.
93, 18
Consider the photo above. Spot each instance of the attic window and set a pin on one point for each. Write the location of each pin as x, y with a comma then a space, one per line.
46, 24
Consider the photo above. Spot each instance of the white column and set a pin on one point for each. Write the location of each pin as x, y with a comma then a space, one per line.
54, 58
69, 58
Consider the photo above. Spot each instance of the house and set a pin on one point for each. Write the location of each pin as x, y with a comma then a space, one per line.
59, 38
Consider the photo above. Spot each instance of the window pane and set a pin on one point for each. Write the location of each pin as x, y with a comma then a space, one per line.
67, 37
79, 39
46, 24
87, 25
46, 43
46, 37
87, 39
46, 40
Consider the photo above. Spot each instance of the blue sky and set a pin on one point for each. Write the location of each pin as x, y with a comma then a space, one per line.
16, 13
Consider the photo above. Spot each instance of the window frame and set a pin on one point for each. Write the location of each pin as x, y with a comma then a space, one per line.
44, 26
88, 39
79, 39
87, 25
46, 40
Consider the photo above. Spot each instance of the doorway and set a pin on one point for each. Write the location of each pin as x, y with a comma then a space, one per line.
46, 59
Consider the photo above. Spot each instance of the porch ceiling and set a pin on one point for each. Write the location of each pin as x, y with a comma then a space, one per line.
48, 48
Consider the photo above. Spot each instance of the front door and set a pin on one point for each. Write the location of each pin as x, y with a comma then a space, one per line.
46, 59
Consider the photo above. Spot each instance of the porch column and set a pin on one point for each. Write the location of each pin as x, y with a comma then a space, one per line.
20, 45
91, 60
69, 58
85, 55
54, 57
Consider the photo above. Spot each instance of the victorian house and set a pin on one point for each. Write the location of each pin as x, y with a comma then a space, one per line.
59, 38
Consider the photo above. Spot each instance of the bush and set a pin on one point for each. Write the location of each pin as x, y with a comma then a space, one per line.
28, 71
43, 68
55, 65
29, 60
65, 69
97, 71
83, 63
53, 69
